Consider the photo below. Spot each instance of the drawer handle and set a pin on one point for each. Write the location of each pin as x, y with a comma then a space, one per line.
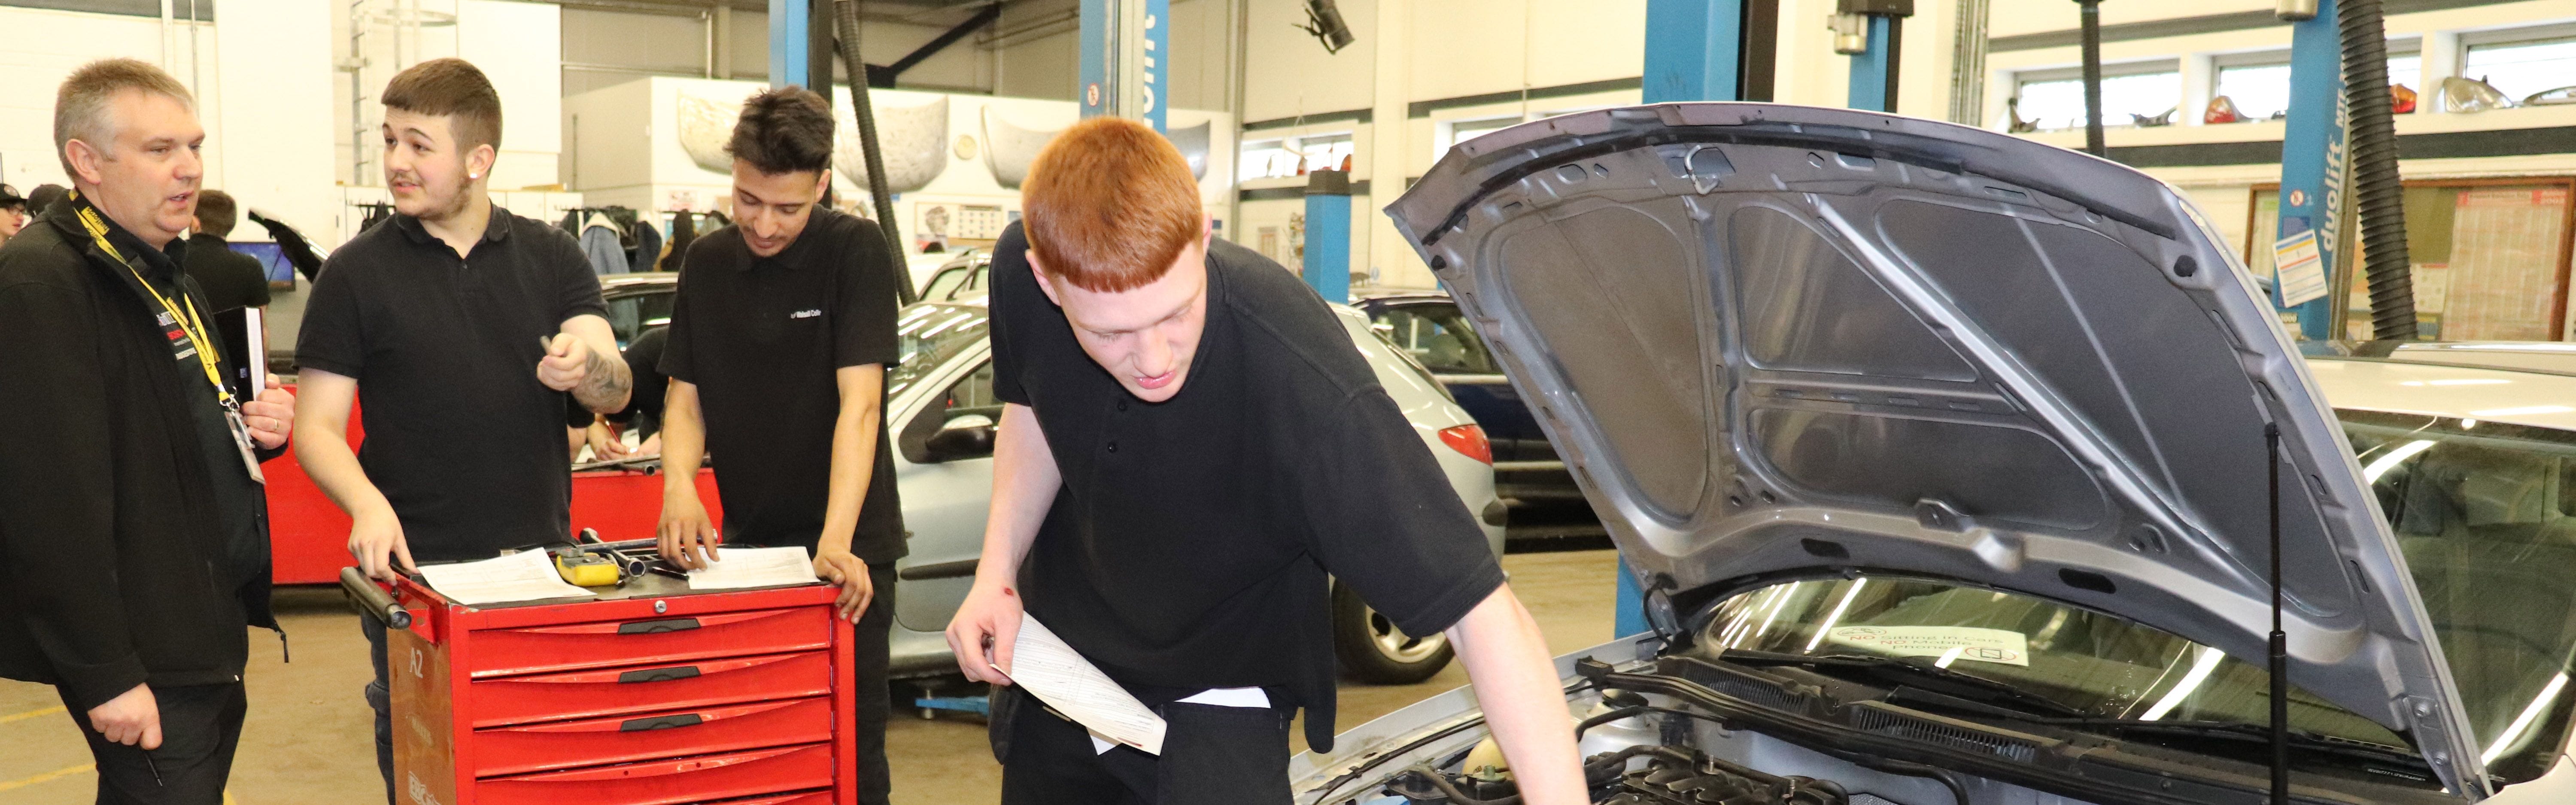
658, 674
660, 723
658, 627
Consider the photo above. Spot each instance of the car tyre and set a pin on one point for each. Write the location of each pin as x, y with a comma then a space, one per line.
1373, 650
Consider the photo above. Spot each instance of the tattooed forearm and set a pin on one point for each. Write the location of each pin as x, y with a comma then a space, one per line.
605, 383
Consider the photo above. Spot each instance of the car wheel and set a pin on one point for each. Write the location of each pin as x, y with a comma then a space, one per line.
1372, 650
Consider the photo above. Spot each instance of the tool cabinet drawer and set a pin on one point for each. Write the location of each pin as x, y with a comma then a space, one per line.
708, 730
668, 782
615, 691
608, 644
806, 798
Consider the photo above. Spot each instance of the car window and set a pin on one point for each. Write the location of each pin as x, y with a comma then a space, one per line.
970, 396
1438, 336
2097, 664
943, 285
931, 335
2485, 513
631, 314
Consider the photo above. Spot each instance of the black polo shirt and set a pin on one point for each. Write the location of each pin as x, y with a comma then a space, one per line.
460, 435
1188, 546
762, 337
232, 280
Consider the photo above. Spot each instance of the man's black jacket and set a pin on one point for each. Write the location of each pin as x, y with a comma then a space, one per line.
110, 544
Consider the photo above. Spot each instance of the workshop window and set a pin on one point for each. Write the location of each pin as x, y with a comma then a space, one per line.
2260, 86
1327, 152
2054, 99
2525, 68
1266, 159
1464, 130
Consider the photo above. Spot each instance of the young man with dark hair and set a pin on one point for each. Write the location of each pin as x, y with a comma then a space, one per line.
779, 342
465, 326
133, 527
232, 280
1188, 445
13, 212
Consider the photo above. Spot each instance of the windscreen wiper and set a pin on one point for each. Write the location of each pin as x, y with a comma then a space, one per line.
1914, 673
2253, 734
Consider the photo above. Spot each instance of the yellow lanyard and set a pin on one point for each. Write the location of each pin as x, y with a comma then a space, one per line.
189, 322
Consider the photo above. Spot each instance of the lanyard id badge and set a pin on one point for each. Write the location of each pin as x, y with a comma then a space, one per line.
186, 333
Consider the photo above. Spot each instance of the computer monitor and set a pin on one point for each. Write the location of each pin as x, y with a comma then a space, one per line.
272, 259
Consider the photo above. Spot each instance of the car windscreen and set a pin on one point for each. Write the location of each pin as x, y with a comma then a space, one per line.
2094, 664
932, 334
2485, 513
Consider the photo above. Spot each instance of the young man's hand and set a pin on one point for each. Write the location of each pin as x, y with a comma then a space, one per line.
132, 718
982, 633
687, 536
271, 415
604, 444
376, 541
566, 363
839, 566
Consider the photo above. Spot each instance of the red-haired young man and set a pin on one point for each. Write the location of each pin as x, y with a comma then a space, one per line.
1189, 445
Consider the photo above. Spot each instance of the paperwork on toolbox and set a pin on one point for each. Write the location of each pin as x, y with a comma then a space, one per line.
1043, 665
522, 576
737, 568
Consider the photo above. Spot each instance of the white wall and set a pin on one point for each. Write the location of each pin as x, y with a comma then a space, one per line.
518, 46
272, 134
41, 47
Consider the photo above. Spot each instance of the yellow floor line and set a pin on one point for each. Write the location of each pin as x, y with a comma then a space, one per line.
47, 776
31, 714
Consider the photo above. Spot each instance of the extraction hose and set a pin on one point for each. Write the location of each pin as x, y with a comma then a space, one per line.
846, 22
2375, 183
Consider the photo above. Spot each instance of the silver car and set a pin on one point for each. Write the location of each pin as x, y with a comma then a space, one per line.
1946, 462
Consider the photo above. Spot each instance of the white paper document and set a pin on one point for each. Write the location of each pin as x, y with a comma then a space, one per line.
2299, 266
522, 576
737, 568
1044, 666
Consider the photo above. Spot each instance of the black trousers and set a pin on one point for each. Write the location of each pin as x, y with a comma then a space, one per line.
1212, 755
200, 727
868, 657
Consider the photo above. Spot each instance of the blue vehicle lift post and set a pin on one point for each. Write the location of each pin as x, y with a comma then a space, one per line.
1699, 50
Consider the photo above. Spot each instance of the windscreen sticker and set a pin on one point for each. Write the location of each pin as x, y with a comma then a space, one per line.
1998, 646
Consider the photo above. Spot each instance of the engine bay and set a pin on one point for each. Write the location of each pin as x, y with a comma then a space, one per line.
1638, 775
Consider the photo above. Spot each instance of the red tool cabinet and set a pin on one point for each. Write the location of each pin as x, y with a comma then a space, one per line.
648, 695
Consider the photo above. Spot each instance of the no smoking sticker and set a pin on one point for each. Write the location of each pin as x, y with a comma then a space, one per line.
1983, 645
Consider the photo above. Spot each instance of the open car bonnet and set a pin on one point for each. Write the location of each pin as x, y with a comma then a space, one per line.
1775, 339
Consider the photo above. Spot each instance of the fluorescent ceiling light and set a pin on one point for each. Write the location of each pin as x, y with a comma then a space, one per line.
2521, 723
2201, 666
1837, 615
1948, 657
2459, 381
2381, 465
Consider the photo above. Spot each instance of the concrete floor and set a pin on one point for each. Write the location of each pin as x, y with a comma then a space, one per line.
308, 738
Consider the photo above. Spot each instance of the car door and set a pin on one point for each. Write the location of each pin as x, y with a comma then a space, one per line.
1441, 338
945, 496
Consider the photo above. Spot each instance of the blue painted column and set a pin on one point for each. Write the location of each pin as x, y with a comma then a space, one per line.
1327, 266
2315, 170
1871, 69
790, 42
1694, 52
1126, 59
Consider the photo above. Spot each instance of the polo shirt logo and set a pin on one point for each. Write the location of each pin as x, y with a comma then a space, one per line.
806, 314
